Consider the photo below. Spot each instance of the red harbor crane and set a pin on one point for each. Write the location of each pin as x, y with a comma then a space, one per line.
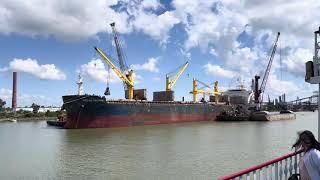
258, 94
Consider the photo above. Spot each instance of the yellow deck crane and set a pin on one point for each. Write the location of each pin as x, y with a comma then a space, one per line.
196, 91
127, 78
170, 83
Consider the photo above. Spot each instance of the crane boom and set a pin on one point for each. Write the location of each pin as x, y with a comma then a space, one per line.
122, 63
196, 91
266, 74
204, 84
128, 79
113, 67
171, 83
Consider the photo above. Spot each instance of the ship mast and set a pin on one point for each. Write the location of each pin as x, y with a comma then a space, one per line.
80, 85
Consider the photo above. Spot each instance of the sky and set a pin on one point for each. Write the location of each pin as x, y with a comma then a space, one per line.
50, 42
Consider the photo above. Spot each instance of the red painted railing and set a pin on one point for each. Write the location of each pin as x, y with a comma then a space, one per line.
274, 169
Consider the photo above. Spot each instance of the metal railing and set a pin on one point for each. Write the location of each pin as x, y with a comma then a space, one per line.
276, 169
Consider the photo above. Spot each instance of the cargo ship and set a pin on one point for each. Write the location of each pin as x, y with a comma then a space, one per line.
90, 111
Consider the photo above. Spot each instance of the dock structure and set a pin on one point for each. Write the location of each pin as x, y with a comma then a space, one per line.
304, 104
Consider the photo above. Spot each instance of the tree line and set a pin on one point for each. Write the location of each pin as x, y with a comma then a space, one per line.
7, 112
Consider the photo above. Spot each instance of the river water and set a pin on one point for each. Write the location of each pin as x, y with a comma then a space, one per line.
205, 150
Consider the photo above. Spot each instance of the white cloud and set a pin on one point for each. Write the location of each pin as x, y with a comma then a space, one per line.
151, 4
31, 66
277, 86
5, 69
295, 62
76, 20
96, 71
216, 70
5, 94
215, 24
138, 79
66, 20
156, 26
207, 24
25, 99
242, 60
213, 52
150, 65
220, 23
284, 16
185, 54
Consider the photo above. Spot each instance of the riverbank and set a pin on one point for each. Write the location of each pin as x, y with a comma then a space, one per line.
27, 119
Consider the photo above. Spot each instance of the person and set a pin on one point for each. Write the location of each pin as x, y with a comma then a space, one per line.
309, 165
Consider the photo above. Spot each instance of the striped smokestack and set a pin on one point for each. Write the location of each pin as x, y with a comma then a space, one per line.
14, 92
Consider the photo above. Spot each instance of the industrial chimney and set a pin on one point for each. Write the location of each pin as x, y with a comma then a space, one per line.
14, 92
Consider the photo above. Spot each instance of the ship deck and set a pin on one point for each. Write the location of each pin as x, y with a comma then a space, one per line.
163, 102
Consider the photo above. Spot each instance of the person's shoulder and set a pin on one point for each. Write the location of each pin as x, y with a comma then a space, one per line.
315, 153
313, 150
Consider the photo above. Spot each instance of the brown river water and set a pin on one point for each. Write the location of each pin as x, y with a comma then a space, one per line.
201, 150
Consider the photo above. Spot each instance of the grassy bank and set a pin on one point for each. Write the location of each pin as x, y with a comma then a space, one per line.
27, 115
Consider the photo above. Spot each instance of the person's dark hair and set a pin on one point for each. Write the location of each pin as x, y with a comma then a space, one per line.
306, 141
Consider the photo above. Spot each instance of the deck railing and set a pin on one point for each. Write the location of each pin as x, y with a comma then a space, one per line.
276, 169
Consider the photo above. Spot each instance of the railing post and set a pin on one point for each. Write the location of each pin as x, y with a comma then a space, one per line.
295, 164
276, 171
281, 173
290, 166
319, 113
285, 169
300, 158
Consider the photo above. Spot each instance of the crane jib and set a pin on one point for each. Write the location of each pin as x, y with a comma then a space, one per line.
267, 72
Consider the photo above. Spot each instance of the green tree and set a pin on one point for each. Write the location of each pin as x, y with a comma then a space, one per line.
35, 108
2, 104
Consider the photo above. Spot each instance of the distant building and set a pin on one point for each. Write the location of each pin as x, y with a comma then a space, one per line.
41, 109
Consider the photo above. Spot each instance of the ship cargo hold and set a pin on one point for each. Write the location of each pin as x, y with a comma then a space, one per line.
90, 111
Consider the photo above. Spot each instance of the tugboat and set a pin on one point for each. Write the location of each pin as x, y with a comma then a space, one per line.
60, 122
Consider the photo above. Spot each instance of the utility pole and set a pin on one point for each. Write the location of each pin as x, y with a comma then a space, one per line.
313, 71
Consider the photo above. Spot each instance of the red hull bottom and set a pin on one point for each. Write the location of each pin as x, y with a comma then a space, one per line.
136, 120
